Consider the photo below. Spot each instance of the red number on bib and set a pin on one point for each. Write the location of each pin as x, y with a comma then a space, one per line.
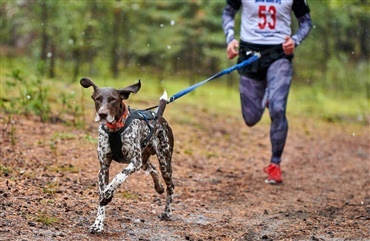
263, 13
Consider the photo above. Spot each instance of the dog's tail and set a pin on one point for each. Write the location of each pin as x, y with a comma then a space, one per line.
162, 104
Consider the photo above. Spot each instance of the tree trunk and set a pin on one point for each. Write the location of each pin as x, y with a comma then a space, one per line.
114, 50
364, 37
52, 60
76, 67
44, 36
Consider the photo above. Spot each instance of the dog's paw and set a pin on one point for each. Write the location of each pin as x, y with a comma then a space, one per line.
106, 198
96, 229
164, 216
159, 188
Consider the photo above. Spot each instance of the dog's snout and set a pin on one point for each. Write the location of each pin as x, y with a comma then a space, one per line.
103, 114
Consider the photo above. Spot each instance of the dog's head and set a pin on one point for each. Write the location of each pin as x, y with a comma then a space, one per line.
108, 101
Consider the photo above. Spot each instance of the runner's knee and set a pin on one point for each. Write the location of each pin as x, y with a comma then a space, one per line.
277, 112
250, 119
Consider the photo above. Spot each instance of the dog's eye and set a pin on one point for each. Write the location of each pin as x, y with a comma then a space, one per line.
111, 99
98, 99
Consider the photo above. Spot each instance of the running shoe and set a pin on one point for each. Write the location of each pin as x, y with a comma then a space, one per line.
274, 174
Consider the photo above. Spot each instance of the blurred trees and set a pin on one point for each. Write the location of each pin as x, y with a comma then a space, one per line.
166, 37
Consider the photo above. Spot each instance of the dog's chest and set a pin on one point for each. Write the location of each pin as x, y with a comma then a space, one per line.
122, 145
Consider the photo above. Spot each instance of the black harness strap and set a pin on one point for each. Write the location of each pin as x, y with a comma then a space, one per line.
144, 115
115, 143
115, 137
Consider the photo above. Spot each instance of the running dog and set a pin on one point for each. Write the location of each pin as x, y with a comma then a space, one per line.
130, 137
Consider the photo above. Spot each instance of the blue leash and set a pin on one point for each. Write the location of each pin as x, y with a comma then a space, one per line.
246, 62
183, 92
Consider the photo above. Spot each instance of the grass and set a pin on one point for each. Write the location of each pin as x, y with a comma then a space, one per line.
4, 170
128, 195
65, 168
71, 103
331, 107
45, 219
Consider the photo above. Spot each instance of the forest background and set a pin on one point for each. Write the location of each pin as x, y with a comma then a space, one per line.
48, 168
172, 42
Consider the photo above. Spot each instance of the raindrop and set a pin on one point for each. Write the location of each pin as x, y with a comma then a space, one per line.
135, 6
360, 117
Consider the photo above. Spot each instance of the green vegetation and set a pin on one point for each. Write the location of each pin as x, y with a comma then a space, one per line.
45, 219
25, 95
128, 195
47, 46
215, 97
65, 168
32, 95
50, 188
4, 170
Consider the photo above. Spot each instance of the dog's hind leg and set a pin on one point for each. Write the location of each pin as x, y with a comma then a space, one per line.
167, 177
153, 172
164, 154
149, 167
165, 165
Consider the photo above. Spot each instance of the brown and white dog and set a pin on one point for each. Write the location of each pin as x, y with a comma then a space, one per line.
130, 143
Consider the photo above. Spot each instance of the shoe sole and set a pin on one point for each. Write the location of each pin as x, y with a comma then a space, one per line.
272, 182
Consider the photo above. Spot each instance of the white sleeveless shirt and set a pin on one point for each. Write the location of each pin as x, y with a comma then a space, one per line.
265, 21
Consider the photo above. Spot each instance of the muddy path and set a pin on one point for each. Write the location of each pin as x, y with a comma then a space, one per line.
48, 183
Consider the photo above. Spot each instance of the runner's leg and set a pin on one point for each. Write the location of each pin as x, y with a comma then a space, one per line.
279, 76
251, 95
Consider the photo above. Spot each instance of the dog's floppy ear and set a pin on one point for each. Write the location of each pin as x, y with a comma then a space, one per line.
86, 83
125, 92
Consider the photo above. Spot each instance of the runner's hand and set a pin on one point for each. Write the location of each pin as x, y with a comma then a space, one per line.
232, 49
288, 45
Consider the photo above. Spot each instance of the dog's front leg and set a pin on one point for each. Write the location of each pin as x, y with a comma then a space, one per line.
132, 151
107, 195
98, 225
105, 159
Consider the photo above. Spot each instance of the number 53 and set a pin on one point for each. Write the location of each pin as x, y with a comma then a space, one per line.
263, 12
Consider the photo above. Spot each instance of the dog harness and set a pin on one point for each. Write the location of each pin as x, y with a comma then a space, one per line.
115, 141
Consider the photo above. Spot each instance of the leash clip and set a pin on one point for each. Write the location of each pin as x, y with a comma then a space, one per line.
251, 52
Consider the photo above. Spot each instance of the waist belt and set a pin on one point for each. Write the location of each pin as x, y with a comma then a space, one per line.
269, 54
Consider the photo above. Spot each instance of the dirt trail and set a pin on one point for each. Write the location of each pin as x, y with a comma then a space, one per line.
48, 185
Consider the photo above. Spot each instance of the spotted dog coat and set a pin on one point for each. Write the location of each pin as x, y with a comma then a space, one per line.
112, 112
